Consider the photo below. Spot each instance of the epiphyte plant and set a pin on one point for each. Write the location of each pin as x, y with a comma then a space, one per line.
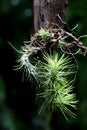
47, 58
53, 73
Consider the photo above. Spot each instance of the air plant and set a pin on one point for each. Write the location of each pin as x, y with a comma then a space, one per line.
44, 33
54, 68
50, 70
53, 73
25, 64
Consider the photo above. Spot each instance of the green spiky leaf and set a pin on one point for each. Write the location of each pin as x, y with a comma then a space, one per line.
53, 73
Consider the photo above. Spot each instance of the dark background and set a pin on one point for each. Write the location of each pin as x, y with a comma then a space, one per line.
18, 110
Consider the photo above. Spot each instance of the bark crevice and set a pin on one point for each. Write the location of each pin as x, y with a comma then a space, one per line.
46, 11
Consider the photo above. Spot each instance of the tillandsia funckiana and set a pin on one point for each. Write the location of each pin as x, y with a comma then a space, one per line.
48, 58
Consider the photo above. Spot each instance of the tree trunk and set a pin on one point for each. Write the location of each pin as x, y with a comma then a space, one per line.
46, 13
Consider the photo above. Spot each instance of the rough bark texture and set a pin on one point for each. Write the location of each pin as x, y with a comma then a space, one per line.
46, 11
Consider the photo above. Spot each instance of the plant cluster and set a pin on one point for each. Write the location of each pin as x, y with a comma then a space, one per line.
44, 58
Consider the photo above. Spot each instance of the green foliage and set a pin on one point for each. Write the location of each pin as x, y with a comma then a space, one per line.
45, 34
24, 63
53, 73
55, 69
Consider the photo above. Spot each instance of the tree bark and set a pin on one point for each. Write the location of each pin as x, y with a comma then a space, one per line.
46, 12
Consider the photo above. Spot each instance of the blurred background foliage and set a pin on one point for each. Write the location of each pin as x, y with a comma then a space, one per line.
17, 97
